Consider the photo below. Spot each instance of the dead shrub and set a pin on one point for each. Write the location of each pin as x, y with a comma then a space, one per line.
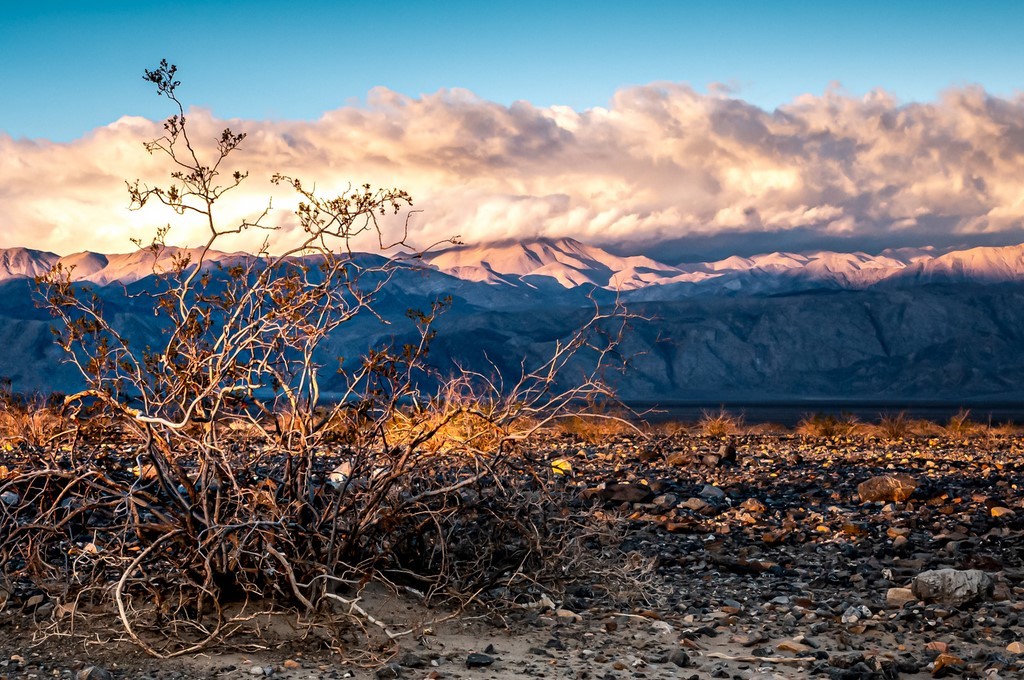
439, 499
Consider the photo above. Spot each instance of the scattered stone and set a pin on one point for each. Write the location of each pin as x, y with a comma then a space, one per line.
897, 597
952, 586
477, 660
793, 646
753, 505
567, 615
1002, 512
711, 492
662, 628
679, 658
389, 671
292, 664
9, 498
412, 660
94, 673
947, 662
855, 614
1015, 648
887, 488
695, 504
256, 670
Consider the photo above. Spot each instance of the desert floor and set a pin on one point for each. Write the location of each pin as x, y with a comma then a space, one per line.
770, 566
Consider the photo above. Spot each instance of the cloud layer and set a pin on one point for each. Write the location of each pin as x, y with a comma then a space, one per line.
661, 165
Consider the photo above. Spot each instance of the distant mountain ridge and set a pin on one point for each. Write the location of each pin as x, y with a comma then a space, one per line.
570, 264
901, 325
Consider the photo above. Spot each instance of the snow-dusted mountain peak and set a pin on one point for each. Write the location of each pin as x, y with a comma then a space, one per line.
568, 263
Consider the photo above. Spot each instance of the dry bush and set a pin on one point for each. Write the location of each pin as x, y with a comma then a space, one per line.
261, 495
719, 423
827, 425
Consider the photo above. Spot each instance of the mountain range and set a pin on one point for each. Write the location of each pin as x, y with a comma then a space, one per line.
570, 264
906, 324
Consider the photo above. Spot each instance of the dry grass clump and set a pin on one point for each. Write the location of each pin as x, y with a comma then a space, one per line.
594, 428
1007, 429
668, 428
719, 424
828, 425
894, 426
961, 426
458, 420
32, 421
766, 429
456, 428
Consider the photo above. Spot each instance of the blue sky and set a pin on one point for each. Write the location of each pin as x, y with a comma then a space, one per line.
68, 67
671, 145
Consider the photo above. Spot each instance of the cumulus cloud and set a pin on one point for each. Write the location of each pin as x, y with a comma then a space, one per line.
662, 164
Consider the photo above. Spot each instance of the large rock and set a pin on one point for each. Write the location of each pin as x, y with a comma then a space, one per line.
887, 488
952, 586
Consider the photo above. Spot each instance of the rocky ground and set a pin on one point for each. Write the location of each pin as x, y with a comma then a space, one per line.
761, 556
